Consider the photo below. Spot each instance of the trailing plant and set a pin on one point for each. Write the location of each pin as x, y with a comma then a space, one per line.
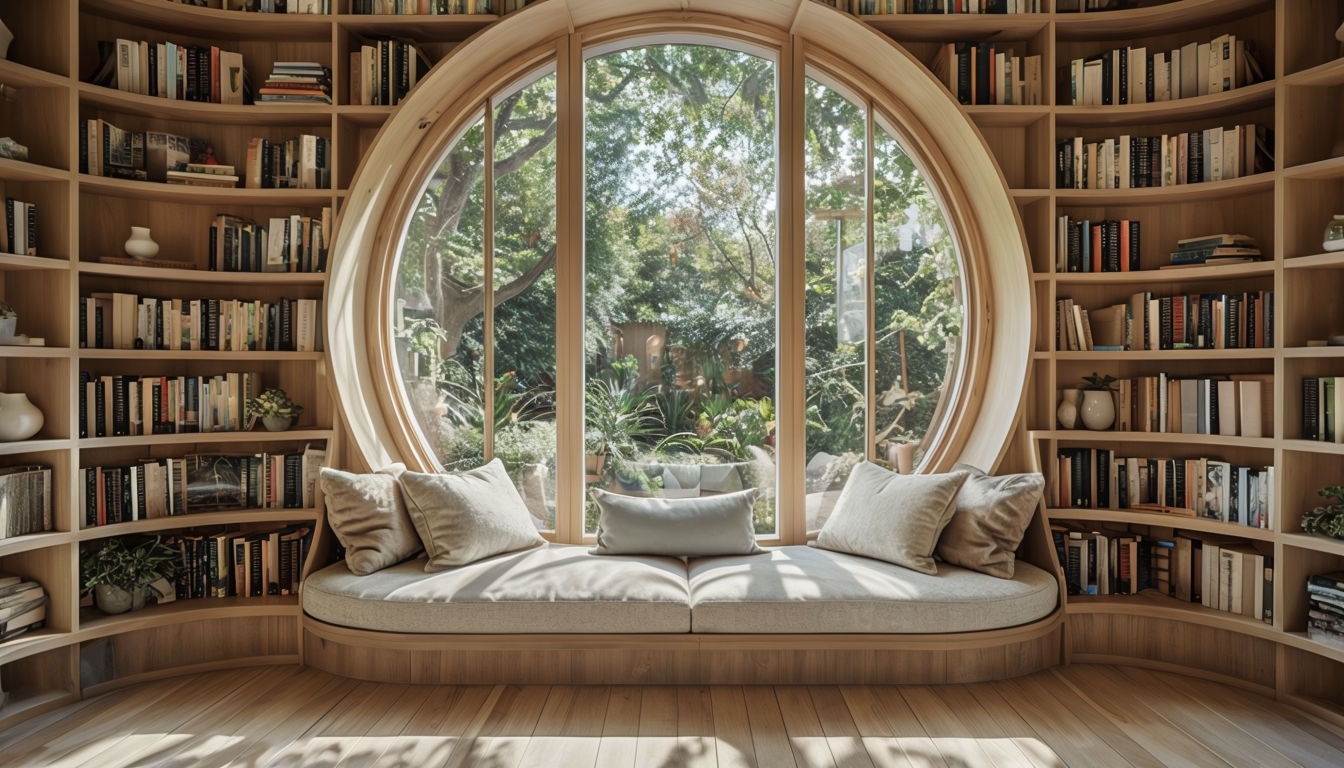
1327, 519
127, 565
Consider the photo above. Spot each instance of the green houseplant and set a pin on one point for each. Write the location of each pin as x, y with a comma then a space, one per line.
9, 320
120, 571
1327, 519
276, 411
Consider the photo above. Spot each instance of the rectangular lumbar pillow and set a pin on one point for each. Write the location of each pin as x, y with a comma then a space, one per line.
991, 516
464, 516
680, 527
368, 517
892, 517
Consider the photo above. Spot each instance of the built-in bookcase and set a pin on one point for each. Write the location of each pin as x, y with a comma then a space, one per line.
84, 218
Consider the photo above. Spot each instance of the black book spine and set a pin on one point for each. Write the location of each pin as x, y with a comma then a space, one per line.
1123, 74
984, 64
964, 56
90, 497
1133, 255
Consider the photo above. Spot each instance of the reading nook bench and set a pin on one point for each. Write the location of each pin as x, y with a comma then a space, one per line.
562, 613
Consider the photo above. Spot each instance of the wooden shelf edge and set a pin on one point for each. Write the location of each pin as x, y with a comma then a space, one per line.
1314, 543
33, 643
22, 170
189, 438
200, 520
186, 194
202, 275
316, 115
1132, 517
29, 542
1160, 19
229, 24
1110, 435
1199, 272
198, 354
181, 611
280, 659
1202, 192
1245, 98
1152, 606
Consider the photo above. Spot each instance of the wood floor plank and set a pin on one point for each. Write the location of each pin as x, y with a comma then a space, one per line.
914, 740
437, 727
806, 737
504, 739
387, 731
951, 735
732, 728
768, 737
1006, 717
870, 720
1074, 740
658, 727
620, 728
695, 727
842, 736
971, 712
332, 737
569, 729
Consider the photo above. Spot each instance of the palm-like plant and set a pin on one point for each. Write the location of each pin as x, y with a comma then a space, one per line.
620, 414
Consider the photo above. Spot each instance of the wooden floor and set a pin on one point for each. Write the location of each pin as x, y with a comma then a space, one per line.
1081, 715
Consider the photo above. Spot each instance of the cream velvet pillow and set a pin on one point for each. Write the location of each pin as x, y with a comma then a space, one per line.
892, 517
689, 527
368, 517
992, 514
465, 516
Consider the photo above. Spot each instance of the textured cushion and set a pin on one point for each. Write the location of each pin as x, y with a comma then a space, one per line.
798, 589
700, 525
992, 514
367, 514
555, 588
465, 516
891, 517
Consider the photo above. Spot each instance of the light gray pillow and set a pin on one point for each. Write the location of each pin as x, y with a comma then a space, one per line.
892, 517
368, 517
992, 514
464, 516
687, 527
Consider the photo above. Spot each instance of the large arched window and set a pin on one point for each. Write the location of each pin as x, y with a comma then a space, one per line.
674, 256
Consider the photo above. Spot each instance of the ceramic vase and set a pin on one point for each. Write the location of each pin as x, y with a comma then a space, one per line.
277, 423
113, 599
6, 37
1098, 409
1067, 412
140, 245
19, 418
8, 325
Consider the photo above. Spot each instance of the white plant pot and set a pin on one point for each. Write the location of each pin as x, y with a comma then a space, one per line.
1098, 410
19, 418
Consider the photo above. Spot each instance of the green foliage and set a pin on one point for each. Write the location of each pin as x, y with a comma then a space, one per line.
523, 443
1328, 519
1098, 381
130, 565
273, 401
620, 414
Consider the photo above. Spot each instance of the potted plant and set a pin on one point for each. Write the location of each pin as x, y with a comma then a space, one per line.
1098, 408
276, 411
9, 320
1327, 519
620, 415
120, 572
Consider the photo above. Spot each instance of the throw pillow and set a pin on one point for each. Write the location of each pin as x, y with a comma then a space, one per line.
367, 515
991, 517
892, 517
682, 527
465, 516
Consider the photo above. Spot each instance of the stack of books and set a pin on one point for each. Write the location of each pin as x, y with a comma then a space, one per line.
25, 500
296, 81
1221, 248
204, 175
23, 606
1325, 608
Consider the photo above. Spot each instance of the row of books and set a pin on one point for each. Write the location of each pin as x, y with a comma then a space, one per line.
1232, 405
120, 320
878, 7
1325, 608
1323, 408
1188, 321
1132, 75
167, 487
264, 6
170, 70
19, 235
25, 500
1096, 478
1217, 572
305, 82
297, 162
1165, 160
108, 150
431, 7
130, 404
23, 606
1224, 248
241, 564
977, 73
1107, 245
293, 243
384, 71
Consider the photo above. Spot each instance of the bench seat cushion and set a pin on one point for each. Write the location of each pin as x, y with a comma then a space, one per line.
801, 589
553, 588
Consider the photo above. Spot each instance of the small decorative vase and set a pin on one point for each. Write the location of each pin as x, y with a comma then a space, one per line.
113, 599
140, 245
8, 325
1334, 234
277, 423
6, 37
19, 418
1067, 412
1098, 410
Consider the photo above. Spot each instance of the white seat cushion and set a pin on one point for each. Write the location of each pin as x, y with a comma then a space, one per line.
800, 589
554, 588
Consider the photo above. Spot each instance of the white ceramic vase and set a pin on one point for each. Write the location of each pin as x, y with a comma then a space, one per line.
8, 325
19, 418
1098, 409
140, 245
1067, 412
6, 37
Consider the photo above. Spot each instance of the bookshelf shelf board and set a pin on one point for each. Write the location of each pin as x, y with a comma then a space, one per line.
1244, 99
19, 170
17, 75
1328, 259
1203, 192
32, 352
1006, 115
206, 438
1329, 168
234, 25
13, 262
1115, 436
27, 543
1180, 522
195, 354
1314, 446
199, 520
239, 662
186, 194
1029, 195
1154, 605
124, 102
31, 642
1301, 641
1329, 73
203, 275
1167, 354
1313, 543
364, 115
93, 624
943, 27
1156, 20
1202, 273
20, 706
1313, 353
35, 446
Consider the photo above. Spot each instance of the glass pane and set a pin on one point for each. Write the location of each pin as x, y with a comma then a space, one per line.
680, 262
437, 330
524, 287
837, 324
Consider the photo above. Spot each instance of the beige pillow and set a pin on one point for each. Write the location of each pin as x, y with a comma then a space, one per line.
368, 517
992, 514
892, 517
465, 516
688, 527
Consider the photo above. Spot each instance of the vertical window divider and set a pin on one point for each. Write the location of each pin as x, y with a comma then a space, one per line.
569, 289
488, 280
791, 383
